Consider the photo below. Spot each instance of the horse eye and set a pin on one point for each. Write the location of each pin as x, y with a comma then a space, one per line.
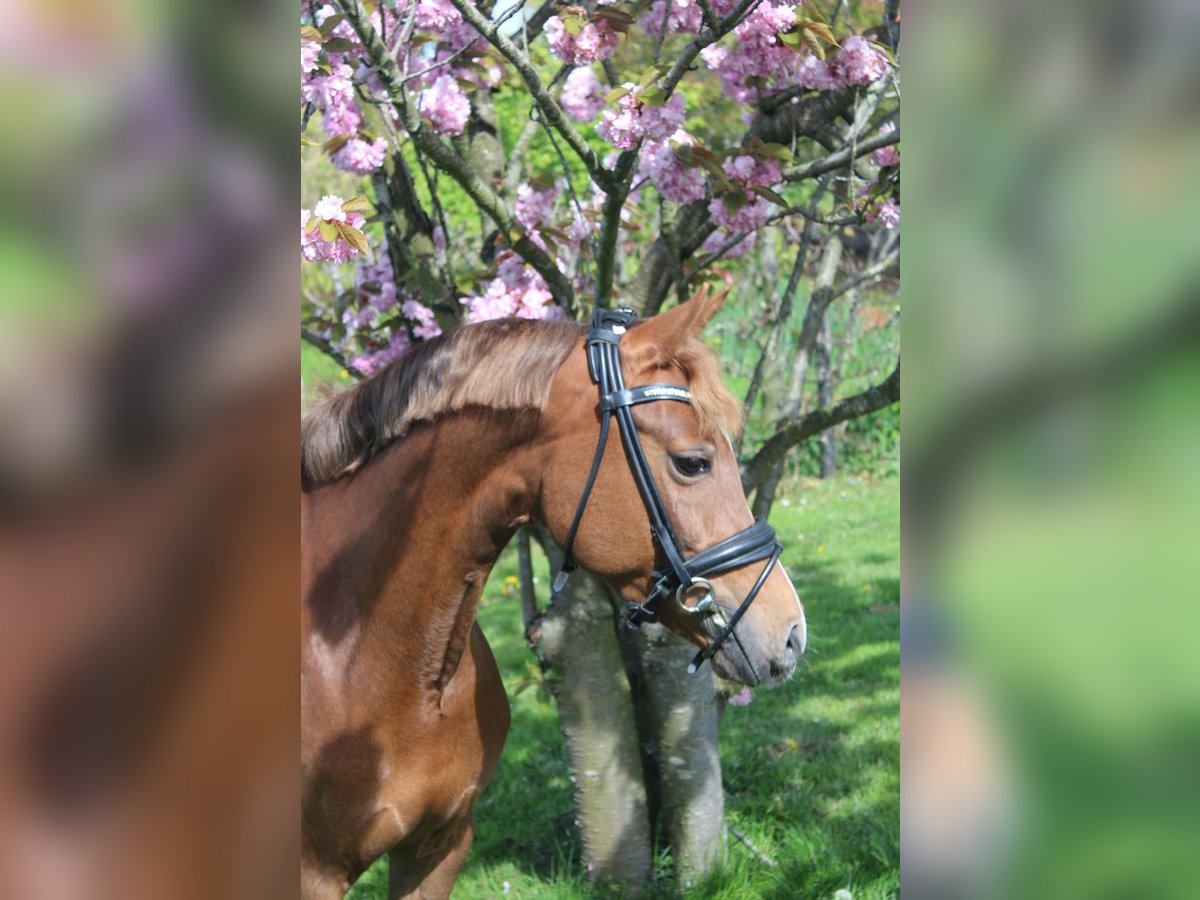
692, 466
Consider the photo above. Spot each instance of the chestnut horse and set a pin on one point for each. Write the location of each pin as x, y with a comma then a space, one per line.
412, 484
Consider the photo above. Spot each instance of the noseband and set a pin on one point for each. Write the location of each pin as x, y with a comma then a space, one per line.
749, 545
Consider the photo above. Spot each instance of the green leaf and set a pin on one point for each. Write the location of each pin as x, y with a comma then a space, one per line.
328, 230
618, 20
770, 195
686, 155
615, 94
733, 200
356, 204
775, 151
574, 24
339, 45
792, 38
652, 74
331, 23
885, 50
353, 236
819, 31
309, 33
336, 143
652, 96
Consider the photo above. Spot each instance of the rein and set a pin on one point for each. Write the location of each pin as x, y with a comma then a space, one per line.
749, 545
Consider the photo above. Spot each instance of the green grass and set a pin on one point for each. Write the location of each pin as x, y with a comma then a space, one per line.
812, 769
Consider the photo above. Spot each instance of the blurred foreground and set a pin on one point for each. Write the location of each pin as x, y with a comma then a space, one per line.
1050, 713
148, 568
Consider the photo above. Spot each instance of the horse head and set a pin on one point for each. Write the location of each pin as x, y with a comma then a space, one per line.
686, 448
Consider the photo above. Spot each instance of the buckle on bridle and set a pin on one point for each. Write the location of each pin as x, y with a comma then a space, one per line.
703, 604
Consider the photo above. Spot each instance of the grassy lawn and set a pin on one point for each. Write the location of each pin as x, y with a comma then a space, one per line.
812, 769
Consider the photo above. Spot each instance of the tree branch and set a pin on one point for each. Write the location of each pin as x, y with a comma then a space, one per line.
699, 42
872, 271
550, 110
535, 23
448, 161
841, 157
610, 226
873, 399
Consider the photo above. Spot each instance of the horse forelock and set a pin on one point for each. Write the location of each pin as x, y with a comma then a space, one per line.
718, 410
506, 364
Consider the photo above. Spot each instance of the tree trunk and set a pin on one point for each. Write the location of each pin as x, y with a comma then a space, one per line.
575, 642
825, 398
814, 319
677, 715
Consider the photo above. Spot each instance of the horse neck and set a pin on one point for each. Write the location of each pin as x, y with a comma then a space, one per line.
399, 552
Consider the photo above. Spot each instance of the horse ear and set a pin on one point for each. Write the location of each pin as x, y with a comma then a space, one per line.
671, 328
709, 306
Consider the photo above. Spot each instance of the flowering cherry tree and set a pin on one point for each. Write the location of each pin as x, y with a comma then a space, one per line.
492, 159
689, 154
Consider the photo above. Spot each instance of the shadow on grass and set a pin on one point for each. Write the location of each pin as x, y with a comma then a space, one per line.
526, 817
811, 769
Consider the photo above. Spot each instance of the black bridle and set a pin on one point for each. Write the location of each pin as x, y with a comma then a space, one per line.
749, 545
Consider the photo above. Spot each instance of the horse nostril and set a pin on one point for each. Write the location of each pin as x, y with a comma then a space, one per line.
794, 645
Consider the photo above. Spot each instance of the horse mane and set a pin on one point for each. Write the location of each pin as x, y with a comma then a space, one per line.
504, 364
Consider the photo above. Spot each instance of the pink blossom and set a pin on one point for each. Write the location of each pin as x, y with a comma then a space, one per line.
596, 40
534, 208
582, 95
330, 209
517, 290
685, 16
359, 157
445, 106
343, 29
437, 15
632, 120
756, 51
660, 122
312, 246
381, 354
887, 215
426, 323
310, 50
814, 74
750, 216
886, 156
857, 62
675, 180
343, 119
358, 318
376, 284
749, 171
717, 240
333, 94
